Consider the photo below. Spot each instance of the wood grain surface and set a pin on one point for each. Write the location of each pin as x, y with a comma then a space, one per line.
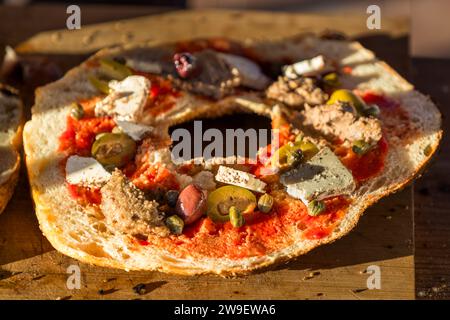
432, 191
30, 268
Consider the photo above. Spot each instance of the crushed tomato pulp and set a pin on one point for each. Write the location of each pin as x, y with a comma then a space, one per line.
162, 95
367, 165
77, 139
262, 233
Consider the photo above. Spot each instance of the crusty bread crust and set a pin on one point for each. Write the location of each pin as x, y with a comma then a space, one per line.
7, 188
11, 142
76, 232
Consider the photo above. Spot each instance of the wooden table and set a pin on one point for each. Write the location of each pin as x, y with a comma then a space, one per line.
31, 268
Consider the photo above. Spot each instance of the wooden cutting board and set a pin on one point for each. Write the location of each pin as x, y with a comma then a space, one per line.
30, 268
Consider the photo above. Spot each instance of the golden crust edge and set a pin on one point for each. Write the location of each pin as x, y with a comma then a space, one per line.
7, 188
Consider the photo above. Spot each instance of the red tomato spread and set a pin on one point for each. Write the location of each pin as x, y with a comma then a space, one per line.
396, 121
380, 100
85, 195
149, 176
367, 165
162, 95
261, 235
80, 134
77, 139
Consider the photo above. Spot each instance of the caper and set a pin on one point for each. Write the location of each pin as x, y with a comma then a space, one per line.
175, 224
332, 80
100, 85
172, 197
316, 207
114, 69
360, 147
236, 218
372, 110
265, 203
77, 111
115, 149
295, 157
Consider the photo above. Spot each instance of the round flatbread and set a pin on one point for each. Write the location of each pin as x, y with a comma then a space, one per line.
410, 126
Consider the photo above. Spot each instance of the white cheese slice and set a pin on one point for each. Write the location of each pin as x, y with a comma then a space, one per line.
249, 72
239, 178
86, 172
308, 67
135, 130
126, 100
321, 177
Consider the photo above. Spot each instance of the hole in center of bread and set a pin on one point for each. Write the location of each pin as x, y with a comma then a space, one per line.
239, 135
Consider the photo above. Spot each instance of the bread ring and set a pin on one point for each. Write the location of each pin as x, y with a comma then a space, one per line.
205, 247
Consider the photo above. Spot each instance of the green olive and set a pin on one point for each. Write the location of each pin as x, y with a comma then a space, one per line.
299, 138
175, 224
77, 111
222, 199
100, 85
281, 157
293, 153
114, 69
348, 96
316, 207
265, 203
98, 136
309, 149
113, 149
236, 218
332, 80
117, 130
360, 147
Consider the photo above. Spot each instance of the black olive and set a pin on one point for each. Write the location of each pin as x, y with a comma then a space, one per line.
172, 197
185, 64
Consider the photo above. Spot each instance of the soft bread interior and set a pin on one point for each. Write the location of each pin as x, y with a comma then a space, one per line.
10, 142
